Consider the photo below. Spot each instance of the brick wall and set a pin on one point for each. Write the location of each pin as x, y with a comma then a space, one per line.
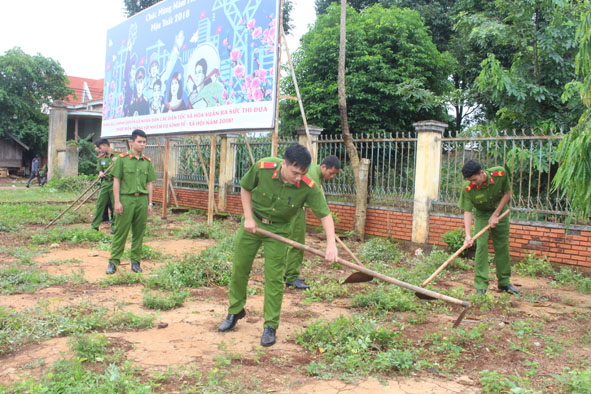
525, 237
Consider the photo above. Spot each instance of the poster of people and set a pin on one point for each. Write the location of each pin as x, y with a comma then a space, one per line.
186, 66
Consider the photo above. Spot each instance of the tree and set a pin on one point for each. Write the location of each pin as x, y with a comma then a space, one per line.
529, 57
394, 72
28, 84
573, 177
134, 6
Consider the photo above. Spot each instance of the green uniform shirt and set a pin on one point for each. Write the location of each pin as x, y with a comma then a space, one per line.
277, 201
315, 173
104, 161
133, 173
485, 198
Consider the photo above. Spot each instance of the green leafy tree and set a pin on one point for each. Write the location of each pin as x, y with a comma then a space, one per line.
132, 7
28, 84
530, 56
574, 174
394, 75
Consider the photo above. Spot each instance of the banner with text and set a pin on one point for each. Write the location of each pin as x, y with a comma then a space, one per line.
184, 66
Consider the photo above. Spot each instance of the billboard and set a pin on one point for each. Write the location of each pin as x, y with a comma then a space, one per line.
192, 66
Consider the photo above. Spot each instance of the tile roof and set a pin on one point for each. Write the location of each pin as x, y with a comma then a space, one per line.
86, 89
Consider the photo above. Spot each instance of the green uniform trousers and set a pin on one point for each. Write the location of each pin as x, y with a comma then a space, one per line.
295, 256
105, 195
500, 237
246, 248
135, 216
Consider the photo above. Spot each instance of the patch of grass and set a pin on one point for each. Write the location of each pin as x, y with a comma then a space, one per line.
16, 279
202, 230
386, 298
40, 214
533, 266
447, 347
65, 261
35, 195
162, 300
380, 249
213, 266
71, 235
148, 253
9, 227
325, 288
573, 278
495, 382
576, 381
89, 347
355, 346
75, 184
41, 322
121, 278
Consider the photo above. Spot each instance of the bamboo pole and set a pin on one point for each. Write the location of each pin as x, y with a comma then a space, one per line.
176, 203
197, 143
211, 184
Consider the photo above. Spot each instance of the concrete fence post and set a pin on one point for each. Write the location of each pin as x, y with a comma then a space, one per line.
227, 160
315, 131
56, 141
427, 175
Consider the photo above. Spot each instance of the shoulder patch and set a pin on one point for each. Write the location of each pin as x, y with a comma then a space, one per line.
308, 182
123, 154
267, 164
101, 155
469, 187
498, 173
147, 158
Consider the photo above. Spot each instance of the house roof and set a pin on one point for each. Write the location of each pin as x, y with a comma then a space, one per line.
86, 89
19, 142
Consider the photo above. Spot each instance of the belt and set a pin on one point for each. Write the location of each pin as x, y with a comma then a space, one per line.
262, 219
136, 194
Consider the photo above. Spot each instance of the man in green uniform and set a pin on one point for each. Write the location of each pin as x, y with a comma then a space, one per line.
272, 192
133, 175
327, 170
105, 159
487, 193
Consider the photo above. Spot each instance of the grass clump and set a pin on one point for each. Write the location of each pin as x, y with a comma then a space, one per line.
573, 278
454, 239
325, 289
89, 347
212, 266
16, 279
533, 266
354, 346
40, 323
35, 213
121, 278
162, 301
72, 235
576, 382
75, 184
386, 298
202, 230
380, 249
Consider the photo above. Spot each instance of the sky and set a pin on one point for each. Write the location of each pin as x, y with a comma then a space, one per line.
74, 32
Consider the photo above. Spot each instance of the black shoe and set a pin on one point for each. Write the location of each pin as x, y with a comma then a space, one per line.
268, 338
230, 321
509, 289
298, 284
481, 292
112, 230
111, 268
135, 267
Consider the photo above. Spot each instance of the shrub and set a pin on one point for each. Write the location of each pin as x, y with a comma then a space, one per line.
71, 183
164, 300
380, 249
202, 230
89, 347
454, 239
534, 267
386, 298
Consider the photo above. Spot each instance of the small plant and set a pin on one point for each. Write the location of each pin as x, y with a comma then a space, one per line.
16, 279
164, 300
380, 249
89, 347
202, 230
533, 266
576, 382
71, 183
386, 298
454, 239
121, 278
570, 277
73, 235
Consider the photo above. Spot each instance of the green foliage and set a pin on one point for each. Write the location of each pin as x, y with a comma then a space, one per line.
325, 289
39, 214
28, 83
495, 382
41, 322
162, 300
534, 267
86, 156
71, 183
73, 235
355, 346
380, 249
121, 278
576, 382
576, 279
202, 230
89, 347
148, 253
454, 239
16, 279
211, 267
385, 297
398, 92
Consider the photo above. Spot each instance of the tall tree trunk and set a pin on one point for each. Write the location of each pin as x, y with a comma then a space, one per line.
360, 211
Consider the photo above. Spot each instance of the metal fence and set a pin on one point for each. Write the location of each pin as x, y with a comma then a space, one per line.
528, 155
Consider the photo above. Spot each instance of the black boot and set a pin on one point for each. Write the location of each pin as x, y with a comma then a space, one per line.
509, 289
298, 284
268, 338
111, 268
230, 321
135, 267
481, 291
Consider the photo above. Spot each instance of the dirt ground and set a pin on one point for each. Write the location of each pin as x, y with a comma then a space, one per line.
191, 337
